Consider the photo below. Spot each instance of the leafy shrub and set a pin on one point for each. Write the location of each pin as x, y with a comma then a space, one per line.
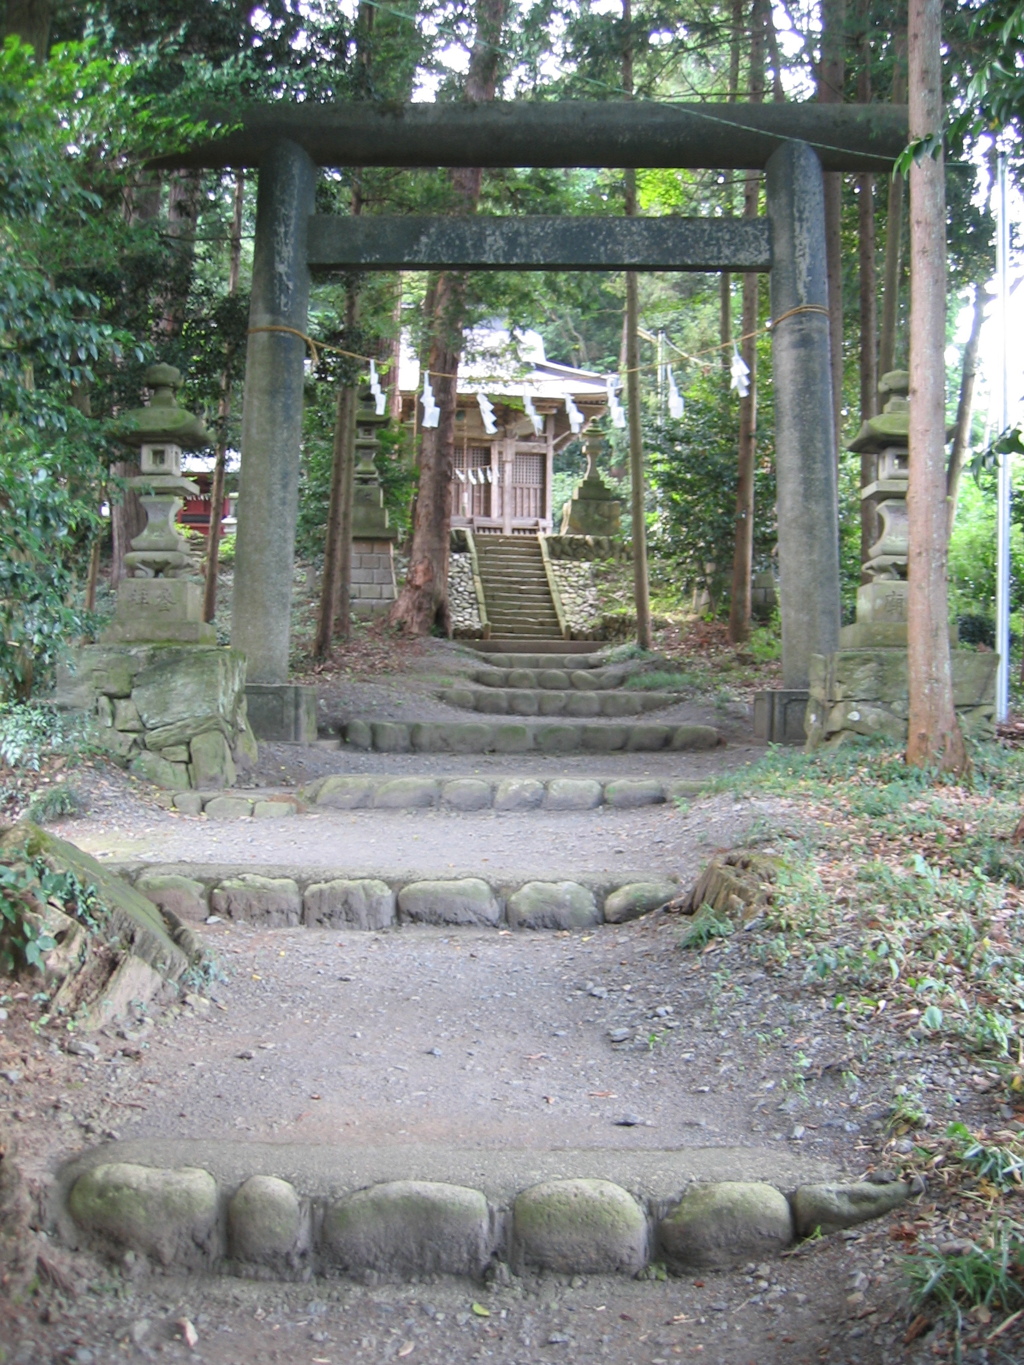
28, 732
27, 886
972, 628
53, 803
693, 472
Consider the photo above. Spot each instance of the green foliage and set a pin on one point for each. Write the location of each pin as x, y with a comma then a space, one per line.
706, 924
972, 549
663, 680
692, 465
54, 803
1000, 1166
990, 1273
43, 519
27, 887
28, 733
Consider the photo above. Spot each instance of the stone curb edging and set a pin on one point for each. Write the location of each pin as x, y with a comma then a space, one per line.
285, 897
612, 703
344, 791
478, 737
404, 1229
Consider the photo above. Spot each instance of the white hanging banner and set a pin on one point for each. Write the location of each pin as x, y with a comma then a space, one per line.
533, 414
739, 372
675, 398
574, 415
487, 413
460, 476
615, 409
431, 412
380, 398
472, 477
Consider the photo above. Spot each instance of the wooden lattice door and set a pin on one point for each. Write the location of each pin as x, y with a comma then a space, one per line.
471, 488
527, 491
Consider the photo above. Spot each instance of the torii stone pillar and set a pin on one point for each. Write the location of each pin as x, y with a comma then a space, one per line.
271, 445
805, 440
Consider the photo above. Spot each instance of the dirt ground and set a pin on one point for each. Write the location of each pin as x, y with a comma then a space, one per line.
477, 1039
469, 1040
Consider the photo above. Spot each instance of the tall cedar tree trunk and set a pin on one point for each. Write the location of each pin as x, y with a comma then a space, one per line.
223, 414
743, 544
893, 267
29, 20
423, 601
868, 290
127, 518
725, 279
334, 614
637, 481
127, 515
934, 737
831, 75
965, 406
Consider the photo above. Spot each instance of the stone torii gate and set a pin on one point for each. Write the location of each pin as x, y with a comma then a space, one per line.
792, 143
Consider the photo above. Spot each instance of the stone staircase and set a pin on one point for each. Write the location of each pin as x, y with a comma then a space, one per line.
567, 685
516, 589
509, 1166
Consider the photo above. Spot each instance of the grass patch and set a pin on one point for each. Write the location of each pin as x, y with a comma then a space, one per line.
988, 1274
54, 803
663, 680
706, 924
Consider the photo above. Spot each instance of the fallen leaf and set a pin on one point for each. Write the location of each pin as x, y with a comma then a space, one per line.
549, 1099
603, 1095
919, 1325
481, 1311
405, 1349
188, 1333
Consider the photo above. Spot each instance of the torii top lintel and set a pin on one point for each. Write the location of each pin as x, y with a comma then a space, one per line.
846, 137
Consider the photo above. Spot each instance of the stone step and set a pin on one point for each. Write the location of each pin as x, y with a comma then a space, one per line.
343, 791
279, 896
538, 701
553, 675
514, 590
552, 656
288, 1210
507, 737
565, 648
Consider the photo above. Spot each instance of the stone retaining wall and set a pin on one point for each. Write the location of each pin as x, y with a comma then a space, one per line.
184, 1217
284, 897
473, 737
176, 715
569, 547
462, 603
578, 591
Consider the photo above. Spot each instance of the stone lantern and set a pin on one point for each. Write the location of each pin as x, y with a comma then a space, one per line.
882, 602
593, 510
862, 689
156, 602
373, 587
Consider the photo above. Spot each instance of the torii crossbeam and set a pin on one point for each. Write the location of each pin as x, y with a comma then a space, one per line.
793, 143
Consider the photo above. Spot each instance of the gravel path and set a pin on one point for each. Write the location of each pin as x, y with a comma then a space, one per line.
545, 845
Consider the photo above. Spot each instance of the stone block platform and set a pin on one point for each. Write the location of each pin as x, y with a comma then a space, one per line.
539, 701
469, 737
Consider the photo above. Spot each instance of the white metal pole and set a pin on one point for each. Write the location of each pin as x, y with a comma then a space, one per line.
1003, 488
